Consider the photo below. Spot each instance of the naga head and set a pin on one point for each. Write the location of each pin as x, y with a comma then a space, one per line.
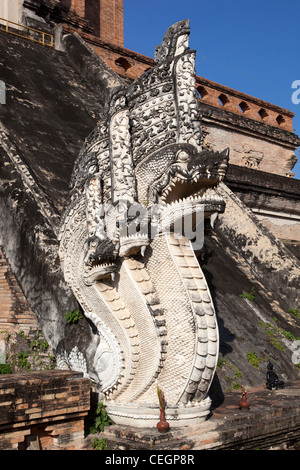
143, 169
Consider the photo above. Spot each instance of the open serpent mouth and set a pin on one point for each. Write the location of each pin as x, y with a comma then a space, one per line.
193, 178
187, 189
187, 193
186, 203
194, 189
100, 260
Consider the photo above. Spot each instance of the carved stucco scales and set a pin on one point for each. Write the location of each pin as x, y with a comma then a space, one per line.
140, 173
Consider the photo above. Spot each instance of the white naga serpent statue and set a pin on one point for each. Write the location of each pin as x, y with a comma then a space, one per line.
141, 187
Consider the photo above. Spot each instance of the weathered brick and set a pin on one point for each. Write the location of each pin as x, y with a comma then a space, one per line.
22, 406
60, 421
15, 312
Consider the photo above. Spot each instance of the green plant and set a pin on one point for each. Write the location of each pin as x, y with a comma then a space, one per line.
161, 398
52, 361
236, 386
5, 369
73, 316
100, 444
222, 362
288, 335
22, 334
100, 420
23, 362
39, 344
6, 334
294, 311
274, 331
276, 343
233, 380
254, 359
34, 355
249, 295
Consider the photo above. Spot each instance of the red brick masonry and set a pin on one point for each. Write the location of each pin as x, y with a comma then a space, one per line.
43, 410
15, 313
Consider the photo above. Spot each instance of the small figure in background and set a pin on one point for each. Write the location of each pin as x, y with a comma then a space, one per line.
273, 381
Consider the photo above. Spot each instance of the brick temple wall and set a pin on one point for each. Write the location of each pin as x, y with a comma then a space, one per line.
43, 410
15, 313
102, 19
259, 134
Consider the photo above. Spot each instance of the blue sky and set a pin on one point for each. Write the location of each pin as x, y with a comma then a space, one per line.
252, 46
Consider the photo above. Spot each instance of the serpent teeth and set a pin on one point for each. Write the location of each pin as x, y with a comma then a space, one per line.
143, 250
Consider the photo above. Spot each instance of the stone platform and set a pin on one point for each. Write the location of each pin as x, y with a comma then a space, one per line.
46, 411
272, 422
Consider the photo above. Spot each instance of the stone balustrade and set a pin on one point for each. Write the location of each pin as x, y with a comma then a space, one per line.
240, 103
